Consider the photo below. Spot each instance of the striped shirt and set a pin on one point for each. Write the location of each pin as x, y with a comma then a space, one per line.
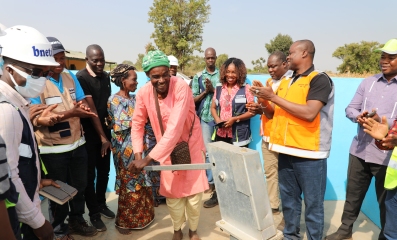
4, 182
11, 127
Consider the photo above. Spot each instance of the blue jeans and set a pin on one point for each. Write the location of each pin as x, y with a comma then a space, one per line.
71, 168
207, 133
307, 176
390, 230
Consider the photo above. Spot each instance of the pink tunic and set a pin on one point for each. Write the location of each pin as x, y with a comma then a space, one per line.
177, 111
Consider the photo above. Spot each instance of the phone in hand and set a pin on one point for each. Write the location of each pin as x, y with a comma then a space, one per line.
371, 114
220, 124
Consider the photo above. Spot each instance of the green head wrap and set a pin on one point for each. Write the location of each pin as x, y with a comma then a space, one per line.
154, 59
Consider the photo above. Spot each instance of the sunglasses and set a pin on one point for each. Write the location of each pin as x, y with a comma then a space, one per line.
36, 73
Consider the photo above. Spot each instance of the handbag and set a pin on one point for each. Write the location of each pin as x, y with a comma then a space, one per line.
181, 153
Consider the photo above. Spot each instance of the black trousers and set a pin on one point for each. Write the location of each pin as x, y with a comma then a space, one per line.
69, 167
98, 168
359, 176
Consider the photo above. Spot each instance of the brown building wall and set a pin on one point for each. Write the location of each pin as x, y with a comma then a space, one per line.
75, 64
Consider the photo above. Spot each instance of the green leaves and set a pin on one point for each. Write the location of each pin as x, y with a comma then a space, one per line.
358, 57
221, 59
178, 26
259, 66
280, 42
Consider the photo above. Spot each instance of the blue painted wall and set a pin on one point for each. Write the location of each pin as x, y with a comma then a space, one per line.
343, 133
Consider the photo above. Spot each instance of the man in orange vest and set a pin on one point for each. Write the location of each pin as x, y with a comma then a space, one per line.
278, 69
302, 112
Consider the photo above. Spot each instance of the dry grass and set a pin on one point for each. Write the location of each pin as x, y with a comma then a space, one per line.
190, 72
349, 75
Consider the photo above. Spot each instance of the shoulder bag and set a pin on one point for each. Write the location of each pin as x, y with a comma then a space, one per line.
181, 153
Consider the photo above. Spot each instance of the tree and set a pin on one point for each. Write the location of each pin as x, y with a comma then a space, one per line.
259, 65
128, 62
358, 57
178, 26
149, 47
221, 59
138, 62
280, 42
197, 64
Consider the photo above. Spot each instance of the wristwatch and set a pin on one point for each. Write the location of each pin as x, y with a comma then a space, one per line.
238, 120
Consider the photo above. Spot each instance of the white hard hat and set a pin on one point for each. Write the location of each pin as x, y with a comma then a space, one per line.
2, 33
173, 60
26, 44
2, 28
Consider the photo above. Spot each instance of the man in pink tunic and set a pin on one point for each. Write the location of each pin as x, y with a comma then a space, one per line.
183, 189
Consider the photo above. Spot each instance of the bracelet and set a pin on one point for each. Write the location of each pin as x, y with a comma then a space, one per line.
35, 121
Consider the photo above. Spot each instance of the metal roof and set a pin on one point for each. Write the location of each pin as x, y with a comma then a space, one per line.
79, 55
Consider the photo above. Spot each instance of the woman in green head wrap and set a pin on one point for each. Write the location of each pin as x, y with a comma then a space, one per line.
183, 189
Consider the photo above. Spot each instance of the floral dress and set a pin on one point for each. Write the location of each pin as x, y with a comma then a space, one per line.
135, 204
150, 141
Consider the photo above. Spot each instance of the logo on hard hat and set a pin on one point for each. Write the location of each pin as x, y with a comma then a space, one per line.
41, 52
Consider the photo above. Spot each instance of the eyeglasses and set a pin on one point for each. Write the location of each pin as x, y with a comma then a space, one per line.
37, 72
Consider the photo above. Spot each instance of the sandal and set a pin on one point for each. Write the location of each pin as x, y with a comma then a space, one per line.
124, 231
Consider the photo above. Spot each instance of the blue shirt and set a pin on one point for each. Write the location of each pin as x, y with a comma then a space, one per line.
79, 91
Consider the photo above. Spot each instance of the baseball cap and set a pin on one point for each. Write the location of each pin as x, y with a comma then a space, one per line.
173, 60
57, 46
390, 47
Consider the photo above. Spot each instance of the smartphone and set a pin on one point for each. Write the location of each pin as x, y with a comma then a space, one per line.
369, 115
220, 124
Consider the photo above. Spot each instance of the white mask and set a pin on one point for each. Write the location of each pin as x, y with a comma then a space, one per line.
33, 88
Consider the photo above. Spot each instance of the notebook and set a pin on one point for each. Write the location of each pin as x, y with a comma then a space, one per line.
59, 195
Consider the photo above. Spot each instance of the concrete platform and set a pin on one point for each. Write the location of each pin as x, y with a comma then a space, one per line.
161, 228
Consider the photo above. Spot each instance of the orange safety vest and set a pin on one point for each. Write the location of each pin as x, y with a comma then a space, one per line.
64, 136
266, 124
294, 136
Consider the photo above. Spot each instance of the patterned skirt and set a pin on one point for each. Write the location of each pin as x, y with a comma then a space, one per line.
155, 179
135, 209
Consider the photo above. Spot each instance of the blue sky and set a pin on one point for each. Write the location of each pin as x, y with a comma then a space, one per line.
237, 28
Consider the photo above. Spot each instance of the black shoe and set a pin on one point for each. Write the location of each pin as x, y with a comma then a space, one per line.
211, 188
106, 212
82, 228
96, 221
338, 236
65, 237
212, 202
